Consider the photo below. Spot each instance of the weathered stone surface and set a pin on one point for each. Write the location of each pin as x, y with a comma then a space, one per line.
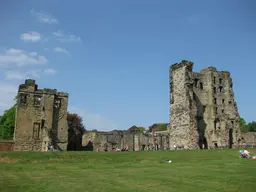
41, 118
203, 113
107, 141
248, 139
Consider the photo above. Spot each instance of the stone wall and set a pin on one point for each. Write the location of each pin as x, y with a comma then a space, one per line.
203, 112
108, 141
248, 139
41, 118
6, 145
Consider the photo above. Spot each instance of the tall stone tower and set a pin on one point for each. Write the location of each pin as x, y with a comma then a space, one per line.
41, 118
202, 106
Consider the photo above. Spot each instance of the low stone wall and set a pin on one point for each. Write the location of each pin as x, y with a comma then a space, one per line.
7, 145
249, 140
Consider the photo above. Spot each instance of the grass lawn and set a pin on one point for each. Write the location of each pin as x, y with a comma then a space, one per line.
199, 171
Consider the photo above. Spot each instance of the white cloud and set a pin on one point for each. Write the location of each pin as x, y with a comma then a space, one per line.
94, 121
14, 51
44, 17
60, 36
50, 71
59, 49
30, 36
17, 57
8, 93
18, 75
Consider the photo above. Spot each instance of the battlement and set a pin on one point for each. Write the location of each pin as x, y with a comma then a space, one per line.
30, 82
183, 63
209, 69
31, 86
62, 94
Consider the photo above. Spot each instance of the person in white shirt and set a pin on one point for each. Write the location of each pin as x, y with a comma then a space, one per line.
174, 146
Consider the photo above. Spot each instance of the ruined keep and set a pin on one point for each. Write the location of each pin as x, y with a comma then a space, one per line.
203, 112
41, 118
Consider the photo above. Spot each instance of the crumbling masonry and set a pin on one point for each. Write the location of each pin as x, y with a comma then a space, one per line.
41, 118
134, 140
203, 112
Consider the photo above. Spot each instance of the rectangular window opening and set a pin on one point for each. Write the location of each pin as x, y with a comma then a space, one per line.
214, 89
223, 101
23, 98
36, 130
220, 80
37, 100
201, 86
196, 83
57, 102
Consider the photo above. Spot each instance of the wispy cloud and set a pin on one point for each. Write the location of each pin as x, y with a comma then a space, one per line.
30, 36
44, 17
17, 57
62, 50
93, 120
62, 37
50, 71
8, 93
18, 75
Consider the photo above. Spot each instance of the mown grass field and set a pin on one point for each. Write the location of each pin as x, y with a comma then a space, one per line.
208, 170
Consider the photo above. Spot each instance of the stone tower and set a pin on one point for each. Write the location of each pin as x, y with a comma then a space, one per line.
41, 118
202, 106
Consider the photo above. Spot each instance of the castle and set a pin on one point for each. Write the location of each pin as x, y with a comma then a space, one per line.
203, 112
203, 115
41, 118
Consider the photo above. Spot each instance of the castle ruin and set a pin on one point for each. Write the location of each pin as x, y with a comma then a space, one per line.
41, 118
203, 112
203, 115
134, 139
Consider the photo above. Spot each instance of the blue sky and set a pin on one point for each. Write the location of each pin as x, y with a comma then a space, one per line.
113, 57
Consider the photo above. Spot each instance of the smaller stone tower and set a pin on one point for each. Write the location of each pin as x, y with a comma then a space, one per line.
41, 118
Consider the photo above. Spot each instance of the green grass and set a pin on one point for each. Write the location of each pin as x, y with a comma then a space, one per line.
207, 170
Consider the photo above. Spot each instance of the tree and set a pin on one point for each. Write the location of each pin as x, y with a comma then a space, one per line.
251, 126
134, 128
75, 131
75, 120
243, 125
7, 123
247, 127
158, 127
141, 129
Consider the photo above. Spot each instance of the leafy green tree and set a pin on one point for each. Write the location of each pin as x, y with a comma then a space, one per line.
7, 123
243, 125
247, 127
141, 129
158, 127
251, 126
